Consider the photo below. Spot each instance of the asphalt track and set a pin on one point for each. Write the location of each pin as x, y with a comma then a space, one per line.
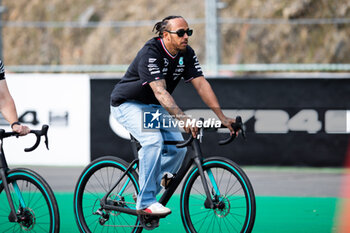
288, 199
267, 181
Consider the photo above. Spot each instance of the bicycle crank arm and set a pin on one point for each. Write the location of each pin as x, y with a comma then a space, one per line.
133, 226
120, 209
129, 211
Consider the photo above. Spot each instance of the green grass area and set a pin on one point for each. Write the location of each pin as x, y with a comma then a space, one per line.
274, 214
322, 170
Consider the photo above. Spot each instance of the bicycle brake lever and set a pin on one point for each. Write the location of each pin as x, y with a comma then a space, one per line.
47, 142
38, 134
45, 128
243, 132
200, 134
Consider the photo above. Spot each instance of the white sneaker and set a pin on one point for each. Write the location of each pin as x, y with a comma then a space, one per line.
155, 209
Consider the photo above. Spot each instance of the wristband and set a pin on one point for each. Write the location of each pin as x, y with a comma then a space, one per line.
15, 123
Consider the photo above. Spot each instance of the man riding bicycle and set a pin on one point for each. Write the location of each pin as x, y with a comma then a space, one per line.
148, 83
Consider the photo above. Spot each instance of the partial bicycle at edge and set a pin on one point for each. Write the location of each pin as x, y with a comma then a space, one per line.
27, 203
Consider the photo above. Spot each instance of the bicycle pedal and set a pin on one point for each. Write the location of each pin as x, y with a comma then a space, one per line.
144, 213
148, 222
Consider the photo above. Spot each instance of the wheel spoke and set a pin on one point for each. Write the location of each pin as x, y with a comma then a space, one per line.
36, 214
94, 186
230, 207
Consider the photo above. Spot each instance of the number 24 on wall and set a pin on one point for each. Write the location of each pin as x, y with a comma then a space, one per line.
278, 121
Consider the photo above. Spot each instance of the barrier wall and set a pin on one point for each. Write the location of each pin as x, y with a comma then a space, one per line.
294, 121
63, 102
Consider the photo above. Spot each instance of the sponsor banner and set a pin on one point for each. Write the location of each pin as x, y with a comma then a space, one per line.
61, 101
300, 122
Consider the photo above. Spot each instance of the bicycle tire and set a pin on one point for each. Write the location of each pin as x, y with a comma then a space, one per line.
96, 179
36, 204
235, 205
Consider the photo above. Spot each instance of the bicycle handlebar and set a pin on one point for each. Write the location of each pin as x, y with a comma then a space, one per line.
37, 133
237, 126
185, 143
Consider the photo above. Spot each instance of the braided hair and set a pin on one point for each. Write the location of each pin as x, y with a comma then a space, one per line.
161, 26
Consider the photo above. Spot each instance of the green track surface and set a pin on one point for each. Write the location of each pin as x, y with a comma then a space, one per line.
274, 214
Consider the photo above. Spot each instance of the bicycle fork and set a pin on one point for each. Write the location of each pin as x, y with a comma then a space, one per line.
209, 201
12, 217
197, 160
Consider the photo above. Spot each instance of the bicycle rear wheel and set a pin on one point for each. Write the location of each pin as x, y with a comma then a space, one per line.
95, 181
231, 193
35, 204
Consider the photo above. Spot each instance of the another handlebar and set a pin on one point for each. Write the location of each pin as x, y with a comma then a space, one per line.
237, 126
38, 134
189, 140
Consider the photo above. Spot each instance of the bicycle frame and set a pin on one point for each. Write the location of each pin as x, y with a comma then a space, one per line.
4, 168
19, 186
194, 158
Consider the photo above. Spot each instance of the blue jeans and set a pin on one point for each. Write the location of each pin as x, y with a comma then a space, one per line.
155, 158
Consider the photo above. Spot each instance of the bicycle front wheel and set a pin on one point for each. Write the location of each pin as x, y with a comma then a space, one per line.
94, 183
231, 193
34, 202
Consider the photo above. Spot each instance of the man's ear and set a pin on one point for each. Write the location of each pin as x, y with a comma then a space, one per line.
165, 35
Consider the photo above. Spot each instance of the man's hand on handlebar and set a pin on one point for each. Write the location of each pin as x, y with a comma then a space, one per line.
21, 129
236, 126
227, 122
191, 129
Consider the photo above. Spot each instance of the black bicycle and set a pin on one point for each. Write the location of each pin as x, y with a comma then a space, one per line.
216, 196
27, 203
